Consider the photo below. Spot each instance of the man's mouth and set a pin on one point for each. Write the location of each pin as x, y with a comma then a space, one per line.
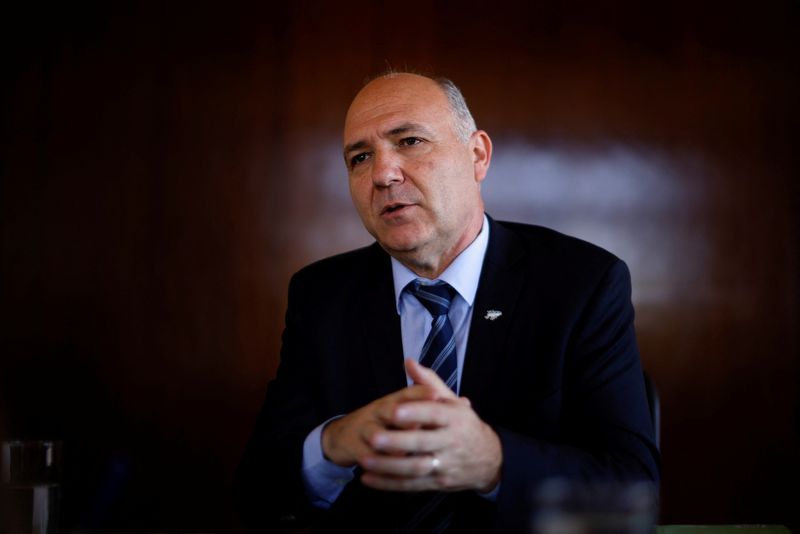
391, 208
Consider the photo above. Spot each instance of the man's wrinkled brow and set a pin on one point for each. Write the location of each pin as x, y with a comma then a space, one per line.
397, 130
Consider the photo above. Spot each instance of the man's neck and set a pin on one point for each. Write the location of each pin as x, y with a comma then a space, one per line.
434, 265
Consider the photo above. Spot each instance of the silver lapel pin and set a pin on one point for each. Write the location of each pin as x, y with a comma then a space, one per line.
492, 314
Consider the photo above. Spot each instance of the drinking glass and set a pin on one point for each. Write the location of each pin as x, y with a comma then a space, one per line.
571, 507
29, 486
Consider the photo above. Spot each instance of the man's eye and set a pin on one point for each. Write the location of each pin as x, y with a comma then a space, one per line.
410, 141
358, 158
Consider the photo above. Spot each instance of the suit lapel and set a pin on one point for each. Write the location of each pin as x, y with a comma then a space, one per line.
502, 277
381, 325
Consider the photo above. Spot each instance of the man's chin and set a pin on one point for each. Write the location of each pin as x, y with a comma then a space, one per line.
399, 240
398, 246
398, 249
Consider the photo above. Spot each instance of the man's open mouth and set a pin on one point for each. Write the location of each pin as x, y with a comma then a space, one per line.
394, 207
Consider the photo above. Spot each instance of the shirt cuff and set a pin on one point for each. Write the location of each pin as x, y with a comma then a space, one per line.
324, 480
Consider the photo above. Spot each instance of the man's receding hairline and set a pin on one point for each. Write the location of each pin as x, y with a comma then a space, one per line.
463, 122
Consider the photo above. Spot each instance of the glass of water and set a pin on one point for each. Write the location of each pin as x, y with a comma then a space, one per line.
572, 507
29, 476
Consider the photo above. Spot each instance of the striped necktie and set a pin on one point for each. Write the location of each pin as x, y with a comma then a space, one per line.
439, 350
434, 512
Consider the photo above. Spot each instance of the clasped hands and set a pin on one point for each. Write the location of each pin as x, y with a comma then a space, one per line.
419, 438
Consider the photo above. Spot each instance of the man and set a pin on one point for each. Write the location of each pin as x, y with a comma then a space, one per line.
537, 370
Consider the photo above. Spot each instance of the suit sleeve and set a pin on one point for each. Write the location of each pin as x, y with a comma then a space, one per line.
268, 485
605, 427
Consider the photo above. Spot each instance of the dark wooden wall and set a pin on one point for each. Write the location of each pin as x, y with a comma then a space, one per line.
165, 169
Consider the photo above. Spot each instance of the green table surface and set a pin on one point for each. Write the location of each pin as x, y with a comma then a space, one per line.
663, 529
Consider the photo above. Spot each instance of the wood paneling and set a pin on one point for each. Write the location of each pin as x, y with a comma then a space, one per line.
165, 170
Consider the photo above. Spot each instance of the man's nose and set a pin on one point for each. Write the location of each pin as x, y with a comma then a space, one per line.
386, 169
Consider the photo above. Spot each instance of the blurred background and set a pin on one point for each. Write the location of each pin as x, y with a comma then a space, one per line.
166, 168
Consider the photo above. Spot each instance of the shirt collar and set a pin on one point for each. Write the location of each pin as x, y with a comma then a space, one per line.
463, 273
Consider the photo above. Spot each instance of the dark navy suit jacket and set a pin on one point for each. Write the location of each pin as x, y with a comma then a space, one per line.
557, 376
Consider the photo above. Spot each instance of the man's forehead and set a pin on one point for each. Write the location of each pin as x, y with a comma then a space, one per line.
401, 101
397, 89
398, 85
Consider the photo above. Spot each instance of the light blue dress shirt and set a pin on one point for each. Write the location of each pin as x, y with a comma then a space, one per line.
463, 275
323, 479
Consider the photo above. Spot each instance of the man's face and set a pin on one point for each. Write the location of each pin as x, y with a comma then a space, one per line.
415, 184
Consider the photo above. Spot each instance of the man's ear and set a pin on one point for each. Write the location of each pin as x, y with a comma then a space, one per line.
481, 146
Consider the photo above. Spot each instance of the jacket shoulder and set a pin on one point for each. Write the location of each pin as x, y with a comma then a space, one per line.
350, 265
544, 243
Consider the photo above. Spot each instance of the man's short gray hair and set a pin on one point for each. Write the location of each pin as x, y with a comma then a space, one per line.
463, 123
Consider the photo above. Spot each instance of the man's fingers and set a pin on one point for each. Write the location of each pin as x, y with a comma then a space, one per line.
344, 439
428, 377
414, 392
398, 466
384, 408
408, 441
425, 413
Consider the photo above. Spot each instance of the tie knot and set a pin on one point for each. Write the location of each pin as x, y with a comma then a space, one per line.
435, 297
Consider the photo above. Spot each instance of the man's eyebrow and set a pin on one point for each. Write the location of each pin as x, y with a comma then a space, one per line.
358, 145
407, 127
398, 130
